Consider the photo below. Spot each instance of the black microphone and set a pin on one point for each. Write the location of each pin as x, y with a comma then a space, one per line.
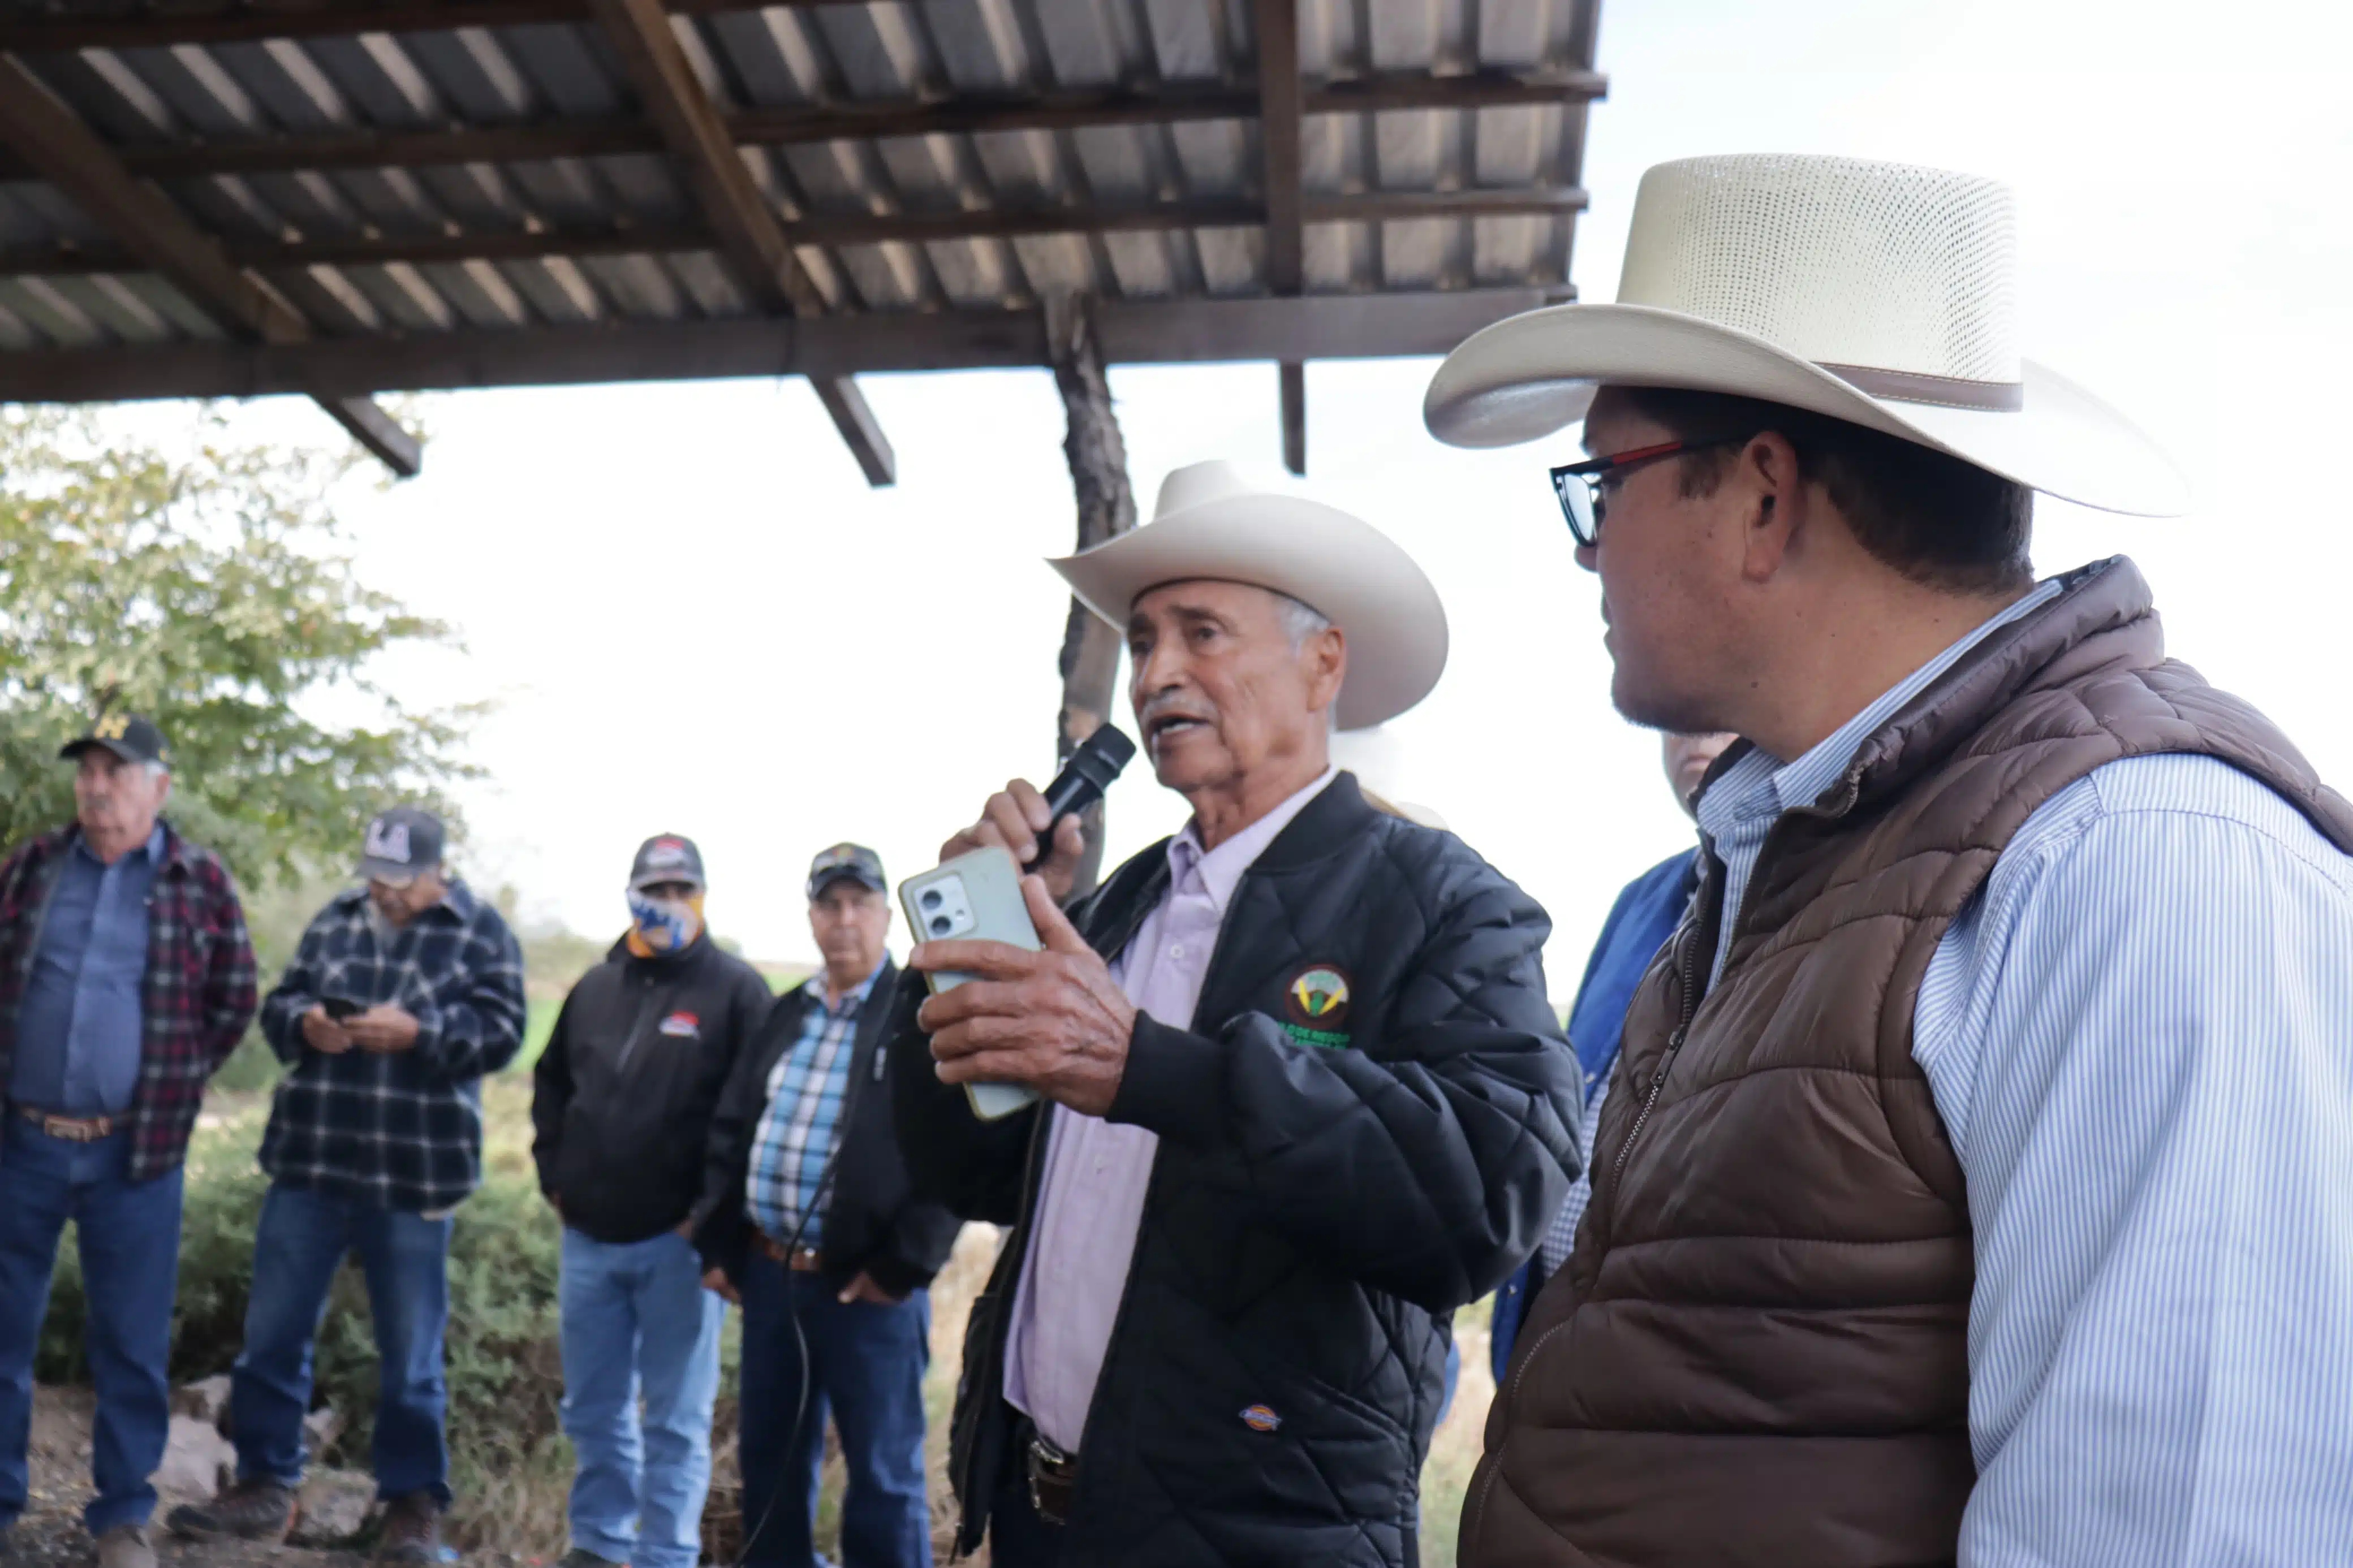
1082, 781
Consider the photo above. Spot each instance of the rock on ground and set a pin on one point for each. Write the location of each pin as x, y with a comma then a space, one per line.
49, 1534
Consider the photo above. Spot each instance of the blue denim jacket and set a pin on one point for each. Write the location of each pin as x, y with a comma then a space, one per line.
1640, 924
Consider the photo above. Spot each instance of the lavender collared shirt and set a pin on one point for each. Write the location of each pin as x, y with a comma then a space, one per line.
1084, 1238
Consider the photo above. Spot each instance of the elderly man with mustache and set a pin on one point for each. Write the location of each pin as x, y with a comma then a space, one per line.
1303, 1092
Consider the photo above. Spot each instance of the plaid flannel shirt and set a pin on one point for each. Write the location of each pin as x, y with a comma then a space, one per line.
394, 1129
195, 1000
794, 1140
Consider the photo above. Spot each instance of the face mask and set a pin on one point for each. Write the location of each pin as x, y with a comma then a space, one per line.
663, 925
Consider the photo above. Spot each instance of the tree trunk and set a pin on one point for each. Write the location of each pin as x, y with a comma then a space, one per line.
1098, 460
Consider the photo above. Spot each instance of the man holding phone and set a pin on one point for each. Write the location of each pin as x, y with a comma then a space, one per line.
1306, 1093
806, 1219
375, 1137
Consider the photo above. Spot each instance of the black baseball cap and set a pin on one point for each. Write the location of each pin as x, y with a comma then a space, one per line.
128, 735
845, 862
666, 858
401, 844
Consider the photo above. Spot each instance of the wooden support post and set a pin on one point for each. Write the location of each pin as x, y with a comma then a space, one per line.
58, 146
1098, 460
1280, 103
1295, 417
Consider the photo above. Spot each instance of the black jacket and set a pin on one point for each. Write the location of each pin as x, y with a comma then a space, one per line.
1332, 1181
621, 1099
872, 1223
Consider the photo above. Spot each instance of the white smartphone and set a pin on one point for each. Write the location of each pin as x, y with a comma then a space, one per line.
976, 895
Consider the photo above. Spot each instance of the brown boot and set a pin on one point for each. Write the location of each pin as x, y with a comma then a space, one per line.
411, 1534
249, 1510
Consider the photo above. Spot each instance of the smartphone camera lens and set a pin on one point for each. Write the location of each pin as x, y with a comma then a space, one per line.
930, 898
940, 924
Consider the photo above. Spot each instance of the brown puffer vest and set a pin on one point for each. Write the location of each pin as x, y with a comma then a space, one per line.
1757, 1353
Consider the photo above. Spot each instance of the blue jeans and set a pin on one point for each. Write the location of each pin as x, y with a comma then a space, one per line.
130, 1236
868, 1362
301, 1242
636, 1316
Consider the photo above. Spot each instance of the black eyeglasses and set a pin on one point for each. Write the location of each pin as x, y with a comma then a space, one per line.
1578, 485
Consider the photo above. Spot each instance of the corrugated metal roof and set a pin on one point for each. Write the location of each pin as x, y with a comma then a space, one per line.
509, 241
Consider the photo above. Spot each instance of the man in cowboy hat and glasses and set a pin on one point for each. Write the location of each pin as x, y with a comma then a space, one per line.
1973, 1182
126, 979
1303, 1094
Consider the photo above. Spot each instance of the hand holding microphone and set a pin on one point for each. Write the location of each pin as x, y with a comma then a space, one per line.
1042, 830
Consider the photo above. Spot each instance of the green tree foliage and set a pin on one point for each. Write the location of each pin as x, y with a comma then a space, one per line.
207, 589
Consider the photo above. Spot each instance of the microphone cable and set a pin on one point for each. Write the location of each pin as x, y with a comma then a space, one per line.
801, 1350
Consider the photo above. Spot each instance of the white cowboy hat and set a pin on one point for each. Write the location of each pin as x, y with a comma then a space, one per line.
1211, 523
1877, 293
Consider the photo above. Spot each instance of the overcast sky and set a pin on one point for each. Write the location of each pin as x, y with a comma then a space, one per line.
698, 619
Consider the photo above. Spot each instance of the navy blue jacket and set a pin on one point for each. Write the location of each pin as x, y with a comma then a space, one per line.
1640, 924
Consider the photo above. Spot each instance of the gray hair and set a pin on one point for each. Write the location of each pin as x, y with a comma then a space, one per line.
1300, 620
157, 770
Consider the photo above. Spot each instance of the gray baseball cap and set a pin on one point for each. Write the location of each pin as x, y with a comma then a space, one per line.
845, 862
666, 858
401, 844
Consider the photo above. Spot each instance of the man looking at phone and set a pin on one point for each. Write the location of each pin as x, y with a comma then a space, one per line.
806, 1219
401, 995
621, 1101
126, 978
1306, 1094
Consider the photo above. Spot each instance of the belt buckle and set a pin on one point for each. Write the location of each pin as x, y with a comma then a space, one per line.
1043, 1455
74, 1129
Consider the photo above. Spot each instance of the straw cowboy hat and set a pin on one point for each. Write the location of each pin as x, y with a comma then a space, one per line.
1212, 523
1877, 293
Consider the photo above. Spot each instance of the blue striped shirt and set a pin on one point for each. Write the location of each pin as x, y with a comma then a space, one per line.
2140, 1038
795, 1135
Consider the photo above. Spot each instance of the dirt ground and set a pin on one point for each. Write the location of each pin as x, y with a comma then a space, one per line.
49, 1534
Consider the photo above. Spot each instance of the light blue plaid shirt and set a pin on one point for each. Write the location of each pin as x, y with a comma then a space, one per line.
806, 1090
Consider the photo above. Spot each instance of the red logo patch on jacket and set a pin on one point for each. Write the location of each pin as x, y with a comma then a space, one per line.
682, 1025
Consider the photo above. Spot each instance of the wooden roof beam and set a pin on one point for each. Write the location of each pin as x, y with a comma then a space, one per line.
1183, 332
830, 231
1281, 109
1170, 103
244, 21
750, 234
65, 153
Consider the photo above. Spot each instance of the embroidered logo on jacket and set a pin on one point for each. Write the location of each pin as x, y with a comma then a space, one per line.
1315, 1005
682, 1023
1261, 1418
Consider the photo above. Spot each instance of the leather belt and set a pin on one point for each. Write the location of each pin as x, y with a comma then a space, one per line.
71, 1129
799, 1259
1053, 1479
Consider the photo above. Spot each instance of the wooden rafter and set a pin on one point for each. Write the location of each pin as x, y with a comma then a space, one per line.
750, 234
246, 21
47, 135
1280, 125
1187, 332
1169, 104
925, 228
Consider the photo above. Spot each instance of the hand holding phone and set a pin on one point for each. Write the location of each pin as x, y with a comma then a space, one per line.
321, 1033
976, 895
